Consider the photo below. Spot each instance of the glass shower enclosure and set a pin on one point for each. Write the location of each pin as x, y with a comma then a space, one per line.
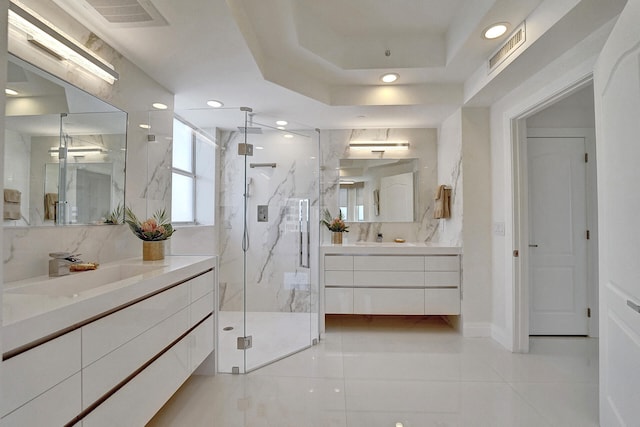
267, 224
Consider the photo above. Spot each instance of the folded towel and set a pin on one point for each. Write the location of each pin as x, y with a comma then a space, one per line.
11, 210
50, 202
12, 196
442, 207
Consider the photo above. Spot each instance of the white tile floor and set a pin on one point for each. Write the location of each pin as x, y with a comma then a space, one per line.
381, 371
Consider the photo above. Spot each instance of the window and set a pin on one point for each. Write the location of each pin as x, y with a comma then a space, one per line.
192, 184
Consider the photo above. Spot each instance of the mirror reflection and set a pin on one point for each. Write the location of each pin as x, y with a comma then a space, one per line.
64, 152
377, 190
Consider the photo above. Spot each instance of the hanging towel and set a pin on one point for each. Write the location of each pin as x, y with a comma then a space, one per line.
442, 207
11, 204
50, 202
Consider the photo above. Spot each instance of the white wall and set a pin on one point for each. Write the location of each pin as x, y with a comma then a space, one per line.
476, 230
573, 67
464, 164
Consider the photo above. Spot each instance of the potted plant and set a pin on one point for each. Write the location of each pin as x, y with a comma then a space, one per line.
336, 225
153, 232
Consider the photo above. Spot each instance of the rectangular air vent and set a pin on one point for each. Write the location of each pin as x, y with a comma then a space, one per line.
116, 13
516, 40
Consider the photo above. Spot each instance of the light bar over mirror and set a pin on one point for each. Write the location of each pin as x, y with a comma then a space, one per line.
380, 146
54, 41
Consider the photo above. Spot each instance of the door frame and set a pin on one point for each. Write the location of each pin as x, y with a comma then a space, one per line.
520, 219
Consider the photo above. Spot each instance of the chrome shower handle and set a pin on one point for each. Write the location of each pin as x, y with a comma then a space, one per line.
303, 213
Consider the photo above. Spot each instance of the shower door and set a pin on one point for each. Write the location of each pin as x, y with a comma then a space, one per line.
268, 305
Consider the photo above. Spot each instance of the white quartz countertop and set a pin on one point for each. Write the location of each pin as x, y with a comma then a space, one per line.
373, 248
39, 306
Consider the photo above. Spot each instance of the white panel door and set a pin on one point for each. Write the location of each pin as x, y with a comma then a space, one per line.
396, 197
557, 236
617, 101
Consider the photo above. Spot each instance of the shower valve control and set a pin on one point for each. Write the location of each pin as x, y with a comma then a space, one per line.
263, 213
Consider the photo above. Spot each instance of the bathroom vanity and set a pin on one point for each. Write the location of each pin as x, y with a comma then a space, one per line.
105, 347
391, 278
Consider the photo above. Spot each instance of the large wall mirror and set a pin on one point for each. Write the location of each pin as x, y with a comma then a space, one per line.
64, 152
378, 190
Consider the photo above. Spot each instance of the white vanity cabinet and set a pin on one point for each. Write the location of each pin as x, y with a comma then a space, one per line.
119, 366
35, 382
359, 280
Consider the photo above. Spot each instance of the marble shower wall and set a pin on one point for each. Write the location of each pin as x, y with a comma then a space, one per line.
275, 280
148, 180
334, 145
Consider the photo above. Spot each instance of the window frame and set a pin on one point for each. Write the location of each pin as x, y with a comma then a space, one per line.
192, 174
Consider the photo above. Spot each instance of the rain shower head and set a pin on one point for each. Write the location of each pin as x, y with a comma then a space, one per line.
250, 130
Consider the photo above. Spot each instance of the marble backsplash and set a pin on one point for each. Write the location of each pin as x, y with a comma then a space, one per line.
423, 146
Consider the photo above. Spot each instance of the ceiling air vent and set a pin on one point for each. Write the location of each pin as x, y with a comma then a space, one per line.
118, 13
515, 41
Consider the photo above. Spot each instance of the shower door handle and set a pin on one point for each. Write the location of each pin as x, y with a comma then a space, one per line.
303, 212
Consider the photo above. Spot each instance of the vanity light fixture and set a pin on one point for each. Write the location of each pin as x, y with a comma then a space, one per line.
159, 106
215, 103
379, 146
42, 33
495, 31
11, 92
389, 77
76, 151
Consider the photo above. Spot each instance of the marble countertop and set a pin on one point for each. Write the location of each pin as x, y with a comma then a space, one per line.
29, 315
373, 248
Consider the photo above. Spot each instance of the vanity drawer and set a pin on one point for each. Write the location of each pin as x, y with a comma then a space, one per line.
138, 400
105, 373
55, 407
338, 262
200, 343
338, 300
389, 263
35, 371
442, 301
388, 301
106, 334
442, 278
338, 278
201, 285
201, 309
442, 263
389, 279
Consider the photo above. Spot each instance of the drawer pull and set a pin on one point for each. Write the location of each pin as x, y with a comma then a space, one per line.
634, 306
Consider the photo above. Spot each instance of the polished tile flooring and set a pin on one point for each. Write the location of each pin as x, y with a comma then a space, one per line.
401, 371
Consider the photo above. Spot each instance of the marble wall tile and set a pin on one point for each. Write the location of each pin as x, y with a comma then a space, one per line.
422, 146
275, 281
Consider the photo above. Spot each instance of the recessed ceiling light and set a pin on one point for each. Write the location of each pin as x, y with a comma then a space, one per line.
389, 77
281, 128
494, 31
159, 106
288, 135
214, 103
282, 122
10, 92
144, 126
